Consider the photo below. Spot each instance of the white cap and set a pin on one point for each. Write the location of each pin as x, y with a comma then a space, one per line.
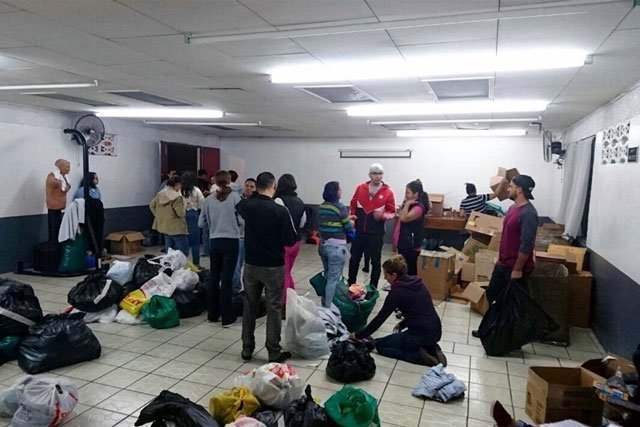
376, 167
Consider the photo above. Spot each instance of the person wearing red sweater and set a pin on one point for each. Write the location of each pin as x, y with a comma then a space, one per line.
371, 205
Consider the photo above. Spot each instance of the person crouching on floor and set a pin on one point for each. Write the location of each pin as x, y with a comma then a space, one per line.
419, 342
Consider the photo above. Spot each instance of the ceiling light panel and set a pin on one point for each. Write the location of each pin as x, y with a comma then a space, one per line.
68, 98
50, 86
337, 94
461, 88
446, 108
439, 133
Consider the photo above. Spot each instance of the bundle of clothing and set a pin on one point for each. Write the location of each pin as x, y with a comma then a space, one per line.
439, 385
336, 330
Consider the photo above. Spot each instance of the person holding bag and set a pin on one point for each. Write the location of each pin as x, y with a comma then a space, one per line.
410, 226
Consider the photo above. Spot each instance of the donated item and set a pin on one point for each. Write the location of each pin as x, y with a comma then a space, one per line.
160, 285
484, 224
496, 208
549, 287
305, 412
107, 315
571, 253
459, 258
439, 385
46, 257
142, 273
38, 402
471, 248
356, 292
556, 394
512, 321
245, 422
120, 272
353, 407
174, 259
436, 271
612, 365
232, 404
59, 340
8, 348
351, 361
318, 283
90, 261
437, 204
161, 313
267, 417
354, 313
509, 174
190, 303
276, 385
172, 409
185, 279
125, 242
468, 272
475, 293
73, 253
127, 318
192, 267
580, 286
485, 261
333, 326
304, 332
238, 305
133, 302
95, 293
499, 185
19, 308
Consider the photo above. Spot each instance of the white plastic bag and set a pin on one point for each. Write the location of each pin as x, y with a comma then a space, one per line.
304, 332
159, 285
174, 259
10, 397
245, 422
275, 384
127, 318
184, 279
107, 315
121, 272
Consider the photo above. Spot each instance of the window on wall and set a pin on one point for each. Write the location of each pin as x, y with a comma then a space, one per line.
184, 157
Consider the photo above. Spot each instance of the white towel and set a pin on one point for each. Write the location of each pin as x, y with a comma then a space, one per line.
58, 175
73, 217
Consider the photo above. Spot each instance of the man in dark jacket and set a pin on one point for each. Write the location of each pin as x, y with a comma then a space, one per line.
419, 343
268, 229
371, 205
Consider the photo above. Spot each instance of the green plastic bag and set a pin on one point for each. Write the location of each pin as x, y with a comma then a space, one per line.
319, 284
161, 312
353, 407
9, 348
73, 254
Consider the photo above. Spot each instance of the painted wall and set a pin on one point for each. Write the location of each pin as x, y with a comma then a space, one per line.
443, 164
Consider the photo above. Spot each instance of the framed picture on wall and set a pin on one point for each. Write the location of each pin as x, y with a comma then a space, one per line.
107, 147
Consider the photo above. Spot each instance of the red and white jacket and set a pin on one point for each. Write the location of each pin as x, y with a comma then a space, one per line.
383, 204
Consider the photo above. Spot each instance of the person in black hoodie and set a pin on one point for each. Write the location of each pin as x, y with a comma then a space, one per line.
419, 342
268, 229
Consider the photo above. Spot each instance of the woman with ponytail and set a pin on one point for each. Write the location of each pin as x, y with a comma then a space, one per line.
410, 227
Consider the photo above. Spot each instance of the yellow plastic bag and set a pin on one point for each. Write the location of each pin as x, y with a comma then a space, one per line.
191, 266
235, 403
133, 302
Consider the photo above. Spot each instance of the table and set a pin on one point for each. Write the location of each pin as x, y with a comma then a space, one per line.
447, 230
445, 223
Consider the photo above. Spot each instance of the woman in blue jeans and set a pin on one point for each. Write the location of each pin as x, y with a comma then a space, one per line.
193, 199
419, 342
334, 226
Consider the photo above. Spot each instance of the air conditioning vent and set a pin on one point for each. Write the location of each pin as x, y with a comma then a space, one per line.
151, 99
76, 99
462, 88
337, 94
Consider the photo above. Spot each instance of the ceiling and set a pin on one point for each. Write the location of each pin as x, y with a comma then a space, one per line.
140, 45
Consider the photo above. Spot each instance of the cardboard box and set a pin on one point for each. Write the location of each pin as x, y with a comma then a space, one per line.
571, 253
548, 234
125, 242
475, 293
499, 185
556, 394
484, 224
606, 367
494, 243
436, 271
581, 286
471, 247
458, 256
558, 258
485, 261
509, 174
437, 204
468, 272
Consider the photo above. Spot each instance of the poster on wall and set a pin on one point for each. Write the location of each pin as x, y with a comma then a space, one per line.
107, 147
615, 144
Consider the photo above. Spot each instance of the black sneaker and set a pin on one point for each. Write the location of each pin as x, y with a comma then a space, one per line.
283, 356
427, 359
475, 333
365, 269
440, 356
246, 356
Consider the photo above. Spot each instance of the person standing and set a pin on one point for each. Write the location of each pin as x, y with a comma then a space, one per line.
203, 182
193, 200
235, 187
410, 226
219, 215
94, 210
169, 212
474, 201
94, 191
515, 257
334, 226
56, 189
286, 196
372, 204
268, 230
248, 190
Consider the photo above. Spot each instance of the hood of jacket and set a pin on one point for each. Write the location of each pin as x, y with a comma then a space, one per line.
412, 283
167, 195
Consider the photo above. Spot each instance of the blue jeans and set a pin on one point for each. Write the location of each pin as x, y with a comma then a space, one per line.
194, 235
404, 346
237, 275
333, 257
179, 242
206, 241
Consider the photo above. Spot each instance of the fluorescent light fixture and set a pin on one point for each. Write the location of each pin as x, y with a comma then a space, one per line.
50, 86
446, 108
438, 133
160, 113
156, 122
438, 122
460, 65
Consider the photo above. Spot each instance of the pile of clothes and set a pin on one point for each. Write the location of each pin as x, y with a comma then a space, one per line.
439, 385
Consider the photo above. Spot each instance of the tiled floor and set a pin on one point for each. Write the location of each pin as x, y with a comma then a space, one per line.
198, 360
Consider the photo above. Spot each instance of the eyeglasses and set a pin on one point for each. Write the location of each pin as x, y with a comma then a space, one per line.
376, 173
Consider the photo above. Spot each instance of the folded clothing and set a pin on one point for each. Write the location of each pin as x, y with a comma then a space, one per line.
439, 385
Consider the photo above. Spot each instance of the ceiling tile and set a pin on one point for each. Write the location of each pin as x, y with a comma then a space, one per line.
445, 33
487, 47
632, 21
288, 12
7, 63
4, 8
9, 42
369, 45
266, 64
163, 71
258, 47
409, 9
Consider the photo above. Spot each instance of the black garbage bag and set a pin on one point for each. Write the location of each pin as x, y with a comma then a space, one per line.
351, 361
59, 340
190, 303
91, 296
17, 298
238, 305
9, 348
172, 407
144, 271
267, 417
305, 412
512, 321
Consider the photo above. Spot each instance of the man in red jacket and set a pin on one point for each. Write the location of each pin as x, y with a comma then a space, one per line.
372, 204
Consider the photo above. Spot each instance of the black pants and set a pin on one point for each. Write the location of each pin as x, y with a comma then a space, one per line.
54, 219
411, 256
500, 278
372, 243
224, 256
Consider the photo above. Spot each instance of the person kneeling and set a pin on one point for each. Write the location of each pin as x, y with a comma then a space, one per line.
419, 342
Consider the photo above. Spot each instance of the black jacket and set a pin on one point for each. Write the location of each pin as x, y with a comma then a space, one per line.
413, 299
296, 209
411, 232
268, 229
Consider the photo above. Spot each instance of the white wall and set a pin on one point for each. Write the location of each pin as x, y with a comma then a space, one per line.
443, 164
615, 198
32, 139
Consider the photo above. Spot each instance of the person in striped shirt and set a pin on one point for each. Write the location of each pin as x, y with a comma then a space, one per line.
474, 201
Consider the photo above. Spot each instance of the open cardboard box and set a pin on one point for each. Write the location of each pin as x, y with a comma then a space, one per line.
484, 224
471, 248
459, 257
485, 261
571, 253
475, 293
436, 271
581, 286
568, 260
499, 185
509, 174
468, 272
607, 367
437, 204
125, 242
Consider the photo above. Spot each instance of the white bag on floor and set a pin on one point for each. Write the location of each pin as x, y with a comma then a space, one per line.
107, 315
159, 285
121, 272
127, 318
275, 384
185, 280
174, 259
304, 332
10, 397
